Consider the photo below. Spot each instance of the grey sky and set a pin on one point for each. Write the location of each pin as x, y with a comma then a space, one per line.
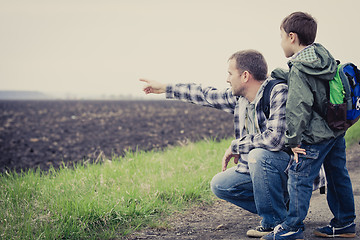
104, 47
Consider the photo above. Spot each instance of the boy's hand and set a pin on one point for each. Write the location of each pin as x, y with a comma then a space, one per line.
227, 157
297, 150
153, 87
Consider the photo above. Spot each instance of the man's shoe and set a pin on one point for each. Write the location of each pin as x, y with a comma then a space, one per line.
258, 232
330, 231
281, 234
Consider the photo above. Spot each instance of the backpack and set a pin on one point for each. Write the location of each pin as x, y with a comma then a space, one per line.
343, 107
343, 94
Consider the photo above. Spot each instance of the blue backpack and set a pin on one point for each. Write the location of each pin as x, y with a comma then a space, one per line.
343, 108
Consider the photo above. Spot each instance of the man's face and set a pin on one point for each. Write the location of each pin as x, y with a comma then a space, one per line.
286, 43
235, 79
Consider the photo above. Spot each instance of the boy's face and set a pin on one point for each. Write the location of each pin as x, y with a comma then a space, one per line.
286, 43
235, 79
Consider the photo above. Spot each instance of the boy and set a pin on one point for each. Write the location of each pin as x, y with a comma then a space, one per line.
310, 138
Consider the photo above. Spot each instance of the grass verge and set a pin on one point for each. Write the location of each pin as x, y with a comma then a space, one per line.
353, 135
107, 200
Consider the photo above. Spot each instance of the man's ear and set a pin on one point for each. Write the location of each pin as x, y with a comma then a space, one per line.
246, 76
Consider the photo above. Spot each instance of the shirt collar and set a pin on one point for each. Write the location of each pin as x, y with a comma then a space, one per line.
296, 55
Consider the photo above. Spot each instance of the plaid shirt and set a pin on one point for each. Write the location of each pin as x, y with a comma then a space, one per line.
271, 132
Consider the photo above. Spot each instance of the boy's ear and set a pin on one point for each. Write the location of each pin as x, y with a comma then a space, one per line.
293, 37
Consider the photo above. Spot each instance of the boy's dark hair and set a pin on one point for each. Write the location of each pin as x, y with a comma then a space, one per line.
303, 24
251, 61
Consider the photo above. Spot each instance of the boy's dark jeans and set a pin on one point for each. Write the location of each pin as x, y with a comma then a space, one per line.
340, 196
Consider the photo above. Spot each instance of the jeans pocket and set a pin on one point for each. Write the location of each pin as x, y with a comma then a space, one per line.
303, 166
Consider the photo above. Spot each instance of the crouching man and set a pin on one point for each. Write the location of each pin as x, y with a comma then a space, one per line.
258, 182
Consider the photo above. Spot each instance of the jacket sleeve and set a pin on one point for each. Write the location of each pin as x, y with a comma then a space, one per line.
209, 96
272, 137
298, 107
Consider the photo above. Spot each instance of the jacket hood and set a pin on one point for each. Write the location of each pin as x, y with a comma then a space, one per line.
315, 60
279, 73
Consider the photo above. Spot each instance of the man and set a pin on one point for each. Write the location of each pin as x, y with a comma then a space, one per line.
258, 182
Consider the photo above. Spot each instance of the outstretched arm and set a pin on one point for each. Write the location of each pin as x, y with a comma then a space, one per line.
194, 93
153, 87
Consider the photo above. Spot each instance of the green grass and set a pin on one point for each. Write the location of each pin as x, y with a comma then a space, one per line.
112, 198
353, 135
107, 200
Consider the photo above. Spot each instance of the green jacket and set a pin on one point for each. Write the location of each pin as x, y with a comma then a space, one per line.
309, 74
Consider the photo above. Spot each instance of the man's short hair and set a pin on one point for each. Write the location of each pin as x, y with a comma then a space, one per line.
251, 61
303, 24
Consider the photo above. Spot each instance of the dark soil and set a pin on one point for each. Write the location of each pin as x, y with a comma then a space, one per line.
40, 134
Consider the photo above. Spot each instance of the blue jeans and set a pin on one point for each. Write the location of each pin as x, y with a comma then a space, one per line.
340, 196
263, 191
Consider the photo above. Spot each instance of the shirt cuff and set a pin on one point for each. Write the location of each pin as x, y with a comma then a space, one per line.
290, 144
169, 92
234, 147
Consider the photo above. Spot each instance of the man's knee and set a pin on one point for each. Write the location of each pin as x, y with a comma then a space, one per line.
222, 183
256, 155
215, 182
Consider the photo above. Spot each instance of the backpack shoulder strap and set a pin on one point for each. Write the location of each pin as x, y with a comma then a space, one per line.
349, 75
265, 100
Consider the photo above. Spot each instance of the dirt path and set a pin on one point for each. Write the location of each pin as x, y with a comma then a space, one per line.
226, 221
